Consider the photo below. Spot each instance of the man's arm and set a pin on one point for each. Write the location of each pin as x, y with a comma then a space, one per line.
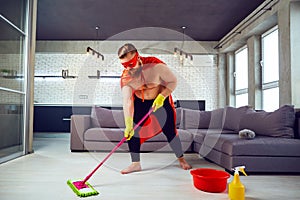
168, 79
128, 108
127, 101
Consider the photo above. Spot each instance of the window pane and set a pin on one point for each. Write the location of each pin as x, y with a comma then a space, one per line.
241, 69
11, 123
11, 58
271, 99
241, 100
270, 57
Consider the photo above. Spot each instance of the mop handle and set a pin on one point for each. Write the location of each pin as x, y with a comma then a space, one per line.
116, 147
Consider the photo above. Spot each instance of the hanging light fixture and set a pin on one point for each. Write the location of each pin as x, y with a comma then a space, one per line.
182, 54
92, 51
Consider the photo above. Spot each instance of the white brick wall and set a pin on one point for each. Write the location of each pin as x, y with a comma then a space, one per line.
197, 80
194, 81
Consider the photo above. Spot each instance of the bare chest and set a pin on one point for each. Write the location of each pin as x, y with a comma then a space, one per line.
146, 81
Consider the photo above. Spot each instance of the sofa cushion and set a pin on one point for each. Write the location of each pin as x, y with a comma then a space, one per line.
116, 134
232, 145
232, 117
104, 134
196, 118
179, 117
184, 136
279, 123
216, 120
199, 134
106, 118
297, 124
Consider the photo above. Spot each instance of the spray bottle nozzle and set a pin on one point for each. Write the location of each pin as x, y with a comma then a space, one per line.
239, 169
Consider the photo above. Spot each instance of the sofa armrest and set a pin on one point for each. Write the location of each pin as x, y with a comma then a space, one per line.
79, 124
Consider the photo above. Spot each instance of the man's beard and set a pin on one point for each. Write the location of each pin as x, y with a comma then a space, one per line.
136, 72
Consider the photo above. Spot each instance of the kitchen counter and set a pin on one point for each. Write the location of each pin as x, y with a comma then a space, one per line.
56, 117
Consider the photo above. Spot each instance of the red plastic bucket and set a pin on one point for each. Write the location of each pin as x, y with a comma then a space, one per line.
210, 180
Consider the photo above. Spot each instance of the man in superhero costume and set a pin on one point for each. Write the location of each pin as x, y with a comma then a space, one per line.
147, 82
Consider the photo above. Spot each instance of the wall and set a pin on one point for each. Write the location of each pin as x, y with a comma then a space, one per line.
285, 14
196, 80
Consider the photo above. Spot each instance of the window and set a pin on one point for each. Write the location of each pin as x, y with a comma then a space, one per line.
270, 70
241, 77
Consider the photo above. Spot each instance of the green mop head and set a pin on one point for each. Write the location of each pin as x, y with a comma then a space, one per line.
82, 189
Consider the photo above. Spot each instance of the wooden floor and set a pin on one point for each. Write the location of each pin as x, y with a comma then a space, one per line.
43, 175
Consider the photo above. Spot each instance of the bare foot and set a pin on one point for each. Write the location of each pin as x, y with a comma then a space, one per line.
183, 164
134, 167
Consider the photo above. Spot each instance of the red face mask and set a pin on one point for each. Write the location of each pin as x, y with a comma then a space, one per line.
132, 62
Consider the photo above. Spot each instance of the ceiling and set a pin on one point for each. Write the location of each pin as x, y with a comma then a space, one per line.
205, 20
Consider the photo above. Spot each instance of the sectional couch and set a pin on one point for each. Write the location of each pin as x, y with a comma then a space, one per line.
213, 134
103, 129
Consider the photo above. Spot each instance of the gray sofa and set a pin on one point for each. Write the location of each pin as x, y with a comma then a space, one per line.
103, 129
213, 134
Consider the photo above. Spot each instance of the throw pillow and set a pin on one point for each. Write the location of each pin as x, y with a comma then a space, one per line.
179, 122
216, 120
106, 118
276, 124
196, 119
94, 118
232, 117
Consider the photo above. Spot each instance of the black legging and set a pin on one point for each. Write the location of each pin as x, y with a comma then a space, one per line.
166, 118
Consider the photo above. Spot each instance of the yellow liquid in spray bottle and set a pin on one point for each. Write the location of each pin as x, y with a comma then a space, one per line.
236, 190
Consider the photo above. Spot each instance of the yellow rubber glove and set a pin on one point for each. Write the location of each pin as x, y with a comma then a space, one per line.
158, 102
129, 132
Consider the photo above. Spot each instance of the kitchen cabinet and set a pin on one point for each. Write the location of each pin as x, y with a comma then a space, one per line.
56, 118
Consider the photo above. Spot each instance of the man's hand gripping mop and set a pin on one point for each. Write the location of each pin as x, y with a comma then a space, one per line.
81, 187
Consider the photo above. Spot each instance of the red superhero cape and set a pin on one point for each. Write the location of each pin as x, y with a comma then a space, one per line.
151, 127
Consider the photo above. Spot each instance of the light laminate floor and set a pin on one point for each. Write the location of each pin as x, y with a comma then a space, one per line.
43, 175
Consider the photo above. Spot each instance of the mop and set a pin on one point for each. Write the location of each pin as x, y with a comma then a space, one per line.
81, 187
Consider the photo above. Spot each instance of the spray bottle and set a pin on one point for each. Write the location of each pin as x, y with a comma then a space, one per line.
236, 190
